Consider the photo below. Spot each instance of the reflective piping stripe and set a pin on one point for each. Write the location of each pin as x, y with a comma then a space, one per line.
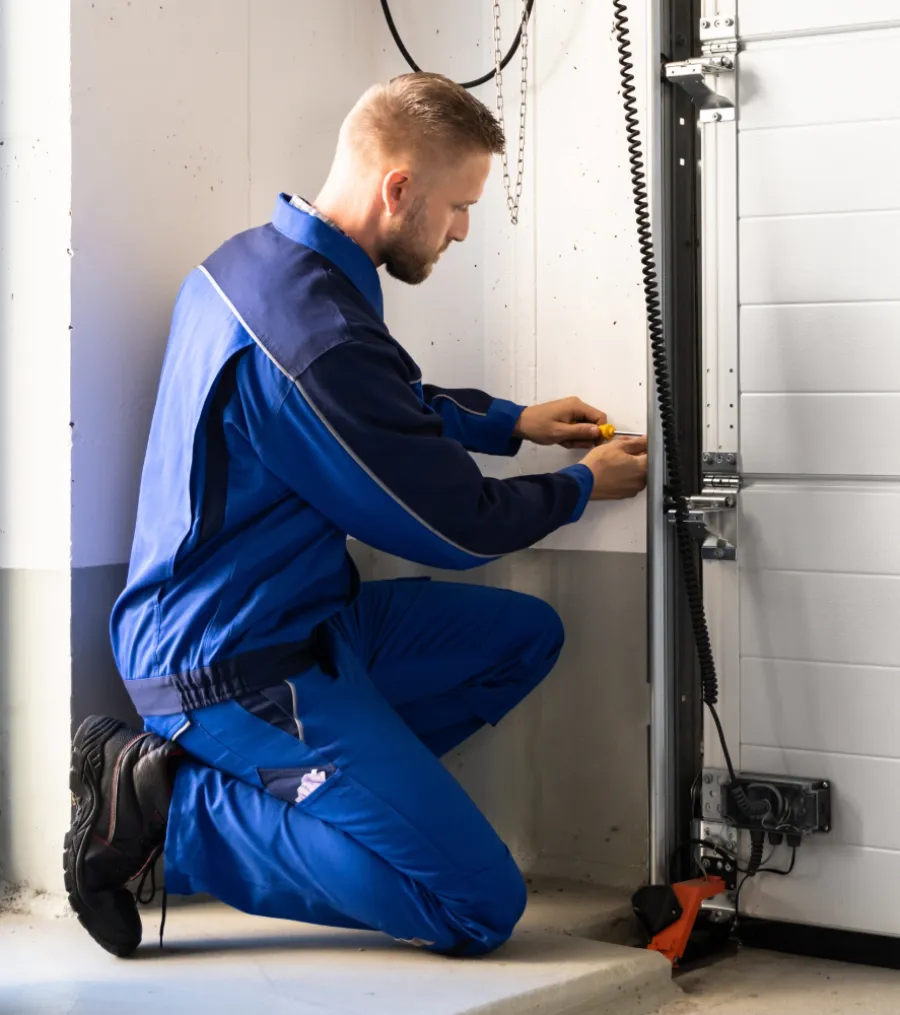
296, 717
186, 725
335, 435
471, 412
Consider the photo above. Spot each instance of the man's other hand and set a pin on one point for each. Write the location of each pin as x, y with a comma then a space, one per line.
567, 421
619, 468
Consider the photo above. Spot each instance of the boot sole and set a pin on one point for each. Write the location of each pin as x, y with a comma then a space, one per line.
84, 782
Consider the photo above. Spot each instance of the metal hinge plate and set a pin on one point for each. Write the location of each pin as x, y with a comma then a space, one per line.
700, 76
718, 27
719, 463
718, 498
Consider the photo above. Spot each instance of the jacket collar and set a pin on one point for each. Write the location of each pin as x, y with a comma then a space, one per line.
317, 234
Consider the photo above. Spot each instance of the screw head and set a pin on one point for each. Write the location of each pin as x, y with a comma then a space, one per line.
718, 23
716, 116
706, 861
704, 23
707, 779
729, 22
707, 457
720, 554
728, 867
729, 459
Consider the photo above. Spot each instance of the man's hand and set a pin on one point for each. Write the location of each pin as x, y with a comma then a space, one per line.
568, 421
619, 468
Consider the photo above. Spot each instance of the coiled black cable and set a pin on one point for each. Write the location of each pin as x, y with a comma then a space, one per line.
389, 18
675, 489
757, 846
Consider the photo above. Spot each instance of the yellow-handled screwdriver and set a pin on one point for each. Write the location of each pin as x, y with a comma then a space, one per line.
608, 431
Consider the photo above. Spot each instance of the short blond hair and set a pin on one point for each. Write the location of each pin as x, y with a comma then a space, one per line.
427, 115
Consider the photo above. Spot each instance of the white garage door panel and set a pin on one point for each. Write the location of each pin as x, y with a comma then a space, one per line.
808, 640
820, 435
821, 347
821, 617
842, 886
795, 82
848, 527
852, 709
758, 17
812, 169
820, 259
864, 787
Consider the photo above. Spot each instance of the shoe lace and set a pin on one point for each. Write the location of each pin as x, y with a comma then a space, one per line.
148, 871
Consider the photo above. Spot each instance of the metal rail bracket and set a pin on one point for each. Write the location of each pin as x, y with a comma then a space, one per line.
692, 76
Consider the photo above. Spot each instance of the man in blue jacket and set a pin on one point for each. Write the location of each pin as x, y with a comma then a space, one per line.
295, 718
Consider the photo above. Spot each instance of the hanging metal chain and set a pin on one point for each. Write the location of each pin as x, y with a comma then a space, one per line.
513, 196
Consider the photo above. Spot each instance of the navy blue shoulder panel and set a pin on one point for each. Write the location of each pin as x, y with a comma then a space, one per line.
296, 303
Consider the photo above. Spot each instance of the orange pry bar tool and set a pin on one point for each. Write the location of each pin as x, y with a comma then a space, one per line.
673, 941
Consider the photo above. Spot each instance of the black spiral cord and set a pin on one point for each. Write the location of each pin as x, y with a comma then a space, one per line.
389, 18
675, 489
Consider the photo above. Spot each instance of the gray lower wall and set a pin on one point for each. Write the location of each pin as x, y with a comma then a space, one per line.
96, 685
564, 778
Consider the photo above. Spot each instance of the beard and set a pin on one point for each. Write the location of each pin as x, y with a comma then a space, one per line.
406, 255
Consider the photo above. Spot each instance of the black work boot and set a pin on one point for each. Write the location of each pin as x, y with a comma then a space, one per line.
121, 787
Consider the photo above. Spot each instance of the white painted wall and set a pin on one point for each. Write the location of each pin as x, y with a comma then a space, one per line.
35, 174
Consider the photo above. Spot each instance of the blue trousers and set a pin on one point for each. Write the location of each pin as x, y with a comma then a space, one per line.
323, 799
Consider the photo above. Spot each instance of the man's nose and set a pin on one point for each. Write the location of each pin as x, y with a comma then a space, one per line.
459, 230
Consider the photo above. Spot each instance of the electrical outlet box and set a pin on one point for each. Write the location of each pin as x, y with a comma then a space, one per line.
798, 806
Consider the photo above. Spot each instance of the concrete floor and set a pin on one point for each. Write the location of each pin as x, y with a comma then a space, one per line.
217, 960
762, 983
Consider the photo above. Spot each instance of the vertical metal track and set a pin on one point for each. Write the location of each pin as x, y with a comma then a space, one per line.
681, 255
663, 834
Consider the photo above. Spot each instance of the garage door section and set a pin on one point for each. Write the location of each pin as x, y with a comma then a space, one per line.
801, 207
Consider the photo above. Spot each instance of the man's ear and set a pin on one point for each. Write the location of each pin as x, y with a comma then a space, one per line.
394, 190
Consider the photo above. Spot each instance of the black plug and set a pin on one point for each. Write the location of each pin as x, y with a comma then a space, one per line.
794, 839
776, 838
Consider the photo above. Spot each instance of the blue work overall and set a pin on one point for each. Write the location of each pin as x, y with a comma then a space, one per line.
314, 708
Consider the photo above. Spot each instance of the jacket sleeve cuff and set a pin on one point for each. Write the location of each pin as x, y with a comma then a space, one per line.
499, 423
585, 479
